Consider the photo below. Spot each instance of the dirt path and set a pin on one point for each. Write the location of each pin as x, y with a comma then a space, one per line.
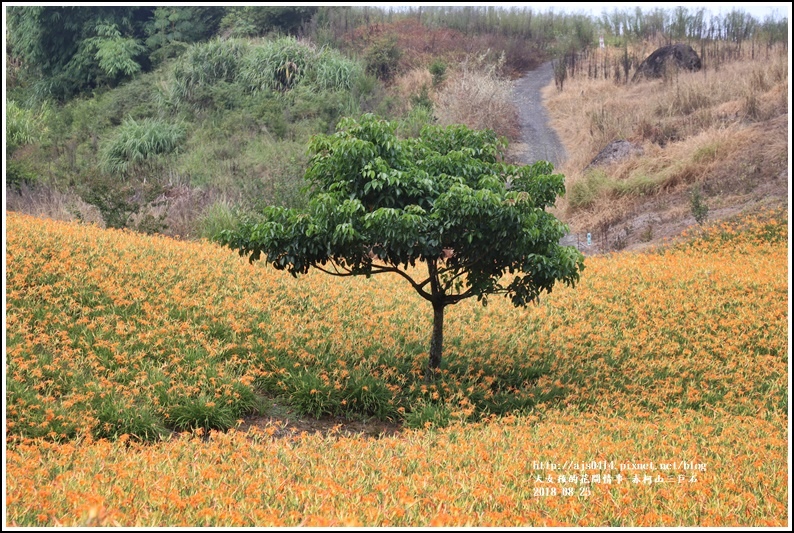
539, 141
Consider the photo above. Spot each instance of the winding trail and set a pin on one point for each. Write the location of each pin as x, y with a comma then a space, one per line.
538, 139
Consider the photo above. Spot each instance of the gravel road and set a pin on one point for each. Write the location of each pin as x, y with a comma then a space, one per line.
539, 141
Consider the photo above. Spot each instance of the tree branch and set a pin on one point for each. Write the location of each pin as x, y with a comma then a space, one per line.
417, 286
378, 269
335, 272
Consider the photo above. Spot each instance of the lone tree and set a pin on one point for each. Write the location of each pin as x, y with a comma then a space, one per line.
380, 204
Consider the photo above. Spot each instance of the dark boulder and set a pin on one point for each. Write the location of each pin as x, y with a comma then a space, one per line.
615, 151
682, 56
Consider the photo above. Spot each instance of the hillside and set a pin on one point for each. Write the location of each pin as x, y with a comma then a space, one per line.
721, 135
123, 349
154, 378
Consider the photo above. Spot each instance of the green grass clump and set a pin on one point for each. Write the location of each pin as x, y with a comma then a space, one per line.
139, 142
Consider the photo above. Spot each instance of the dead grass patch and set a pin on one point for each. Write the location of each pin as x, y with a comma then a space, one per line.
475, 95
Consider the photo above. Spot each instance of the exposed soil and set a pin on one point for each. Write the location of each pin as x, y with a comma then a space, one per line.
286, 423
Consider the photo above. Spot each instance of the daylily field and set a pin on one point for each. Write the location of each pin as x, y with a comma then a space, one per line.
654, 393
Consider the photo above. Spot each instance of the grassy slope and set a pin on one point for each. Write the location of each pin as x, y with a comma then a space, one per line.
661, 357
723, 130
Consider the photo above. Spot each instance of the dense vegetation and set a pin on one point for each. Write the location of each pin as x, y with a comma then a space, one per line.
177, 119
674, 356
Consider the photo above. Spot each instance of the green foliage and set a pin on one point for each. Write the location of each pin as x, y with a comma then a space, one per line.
218, 217
136, 143
380, 204
24, 126
699, 210
275, 65
438, 69
311, 395
174, 27
382, 58
585, 191
331, 70
117, 416
411, 124
250, 21
202, 412
426, 415
119, 201
369, 396
18, 173
116, 54
58, 45
422, 99
202, 65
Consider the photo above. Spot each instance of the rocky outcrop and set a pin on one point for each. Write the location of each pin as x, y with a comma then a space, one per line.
682, 56
615, 151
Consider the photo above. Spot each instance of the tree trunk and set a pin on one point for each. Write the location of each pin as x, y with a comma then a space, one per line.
437, 340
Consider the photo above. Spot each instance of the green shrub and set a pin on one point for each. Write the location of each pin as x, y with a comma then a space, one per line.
369, 396
382, 58
699, 210
24, 126
203, 412
203, 64
639, 185
331, 70
218, 217
416, 119
275, 65
585, 191
428, 415
118, 201
117, 416
311, 395
136, 143
18, 173
438, 69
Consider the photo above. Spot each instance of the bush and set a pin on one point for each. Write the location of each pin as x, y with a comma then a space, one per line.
275, 65
311, 395
426, 415
382, 58
331, 70
204, 64
203, 412
137, 143
218, 217
23, 126
585, 191
369, 396
699, 210
439, 71
17, 174
119, 201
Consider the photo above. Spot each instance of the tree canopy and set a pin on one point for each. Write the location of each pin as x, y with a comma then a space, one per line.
380, 204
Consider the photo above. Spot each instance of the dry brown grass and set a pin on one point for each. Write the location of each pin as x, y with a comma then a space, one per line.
475, 95
420, 45
42, 200
409, 86
725, 128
